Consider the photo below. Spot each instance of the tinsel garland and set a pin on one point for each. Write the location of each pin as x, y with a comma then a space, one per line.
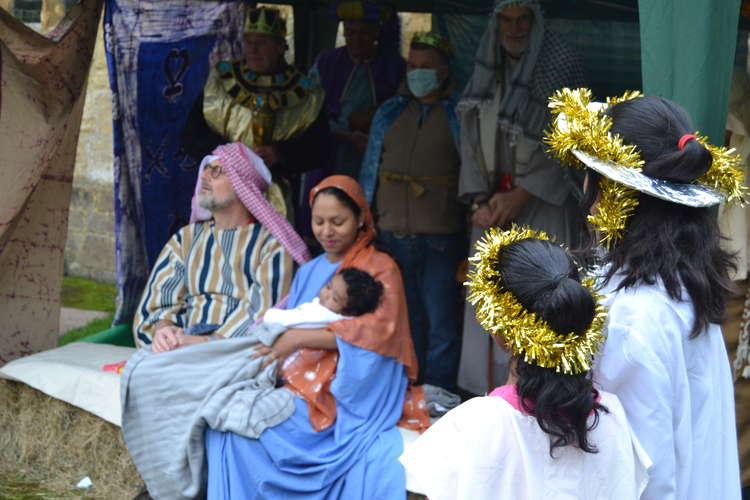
500, 313
611, 214
725, 173
588, 129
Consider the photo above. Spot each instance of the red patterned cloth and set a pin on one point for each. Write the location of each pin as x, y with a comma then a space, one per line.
250, 178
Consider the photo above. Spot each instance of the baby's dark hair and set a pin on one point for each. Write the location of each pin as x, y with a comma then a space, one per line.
364, 292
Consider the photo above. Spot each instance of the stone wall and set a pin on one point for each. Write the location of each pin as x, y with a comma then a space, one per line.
90, 250
52, 12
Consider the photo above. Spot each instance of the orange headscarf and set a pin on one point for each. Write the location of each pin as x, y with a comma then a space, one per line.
384, 331
361, 250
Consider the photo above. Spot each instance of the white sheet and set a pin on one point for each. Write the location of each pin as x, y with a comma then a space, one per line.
73, 374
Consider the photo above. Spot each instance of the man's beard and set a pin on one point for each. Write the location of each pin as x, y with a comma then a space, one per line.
515, 48
210, 203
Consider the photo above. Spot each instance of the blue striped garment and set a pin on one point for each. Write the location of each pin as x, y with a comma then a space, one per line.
209, 275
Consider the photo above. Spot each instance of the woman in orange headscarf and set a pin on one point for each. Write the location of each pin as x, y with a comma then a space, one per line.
352, 379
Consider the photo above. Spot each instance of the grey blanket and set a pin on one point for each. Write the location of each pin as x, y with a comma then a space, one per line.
169, 398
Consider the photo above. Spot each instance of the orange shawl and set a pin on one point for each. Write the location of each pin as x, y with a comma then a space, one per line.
384, 331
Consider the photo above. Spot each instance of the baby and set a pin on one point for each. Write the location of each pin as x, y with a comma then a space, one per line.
351, 292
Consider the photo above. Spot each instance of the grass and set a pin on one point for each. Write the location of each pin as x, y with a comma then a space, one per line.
95, 326
17, 487
80, 293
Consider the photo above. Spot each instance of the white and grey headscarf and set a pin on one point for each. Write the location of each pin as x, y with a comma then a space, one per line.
547, 65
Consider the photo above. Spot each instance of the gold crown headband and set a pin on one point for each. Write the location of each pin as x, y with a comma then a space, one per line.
433, 40
500, 313
266, 21
580, 136
369, 12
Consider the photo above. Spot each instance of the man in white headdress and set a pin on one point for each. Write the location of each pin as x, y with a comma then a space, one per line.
234, 260
506, 175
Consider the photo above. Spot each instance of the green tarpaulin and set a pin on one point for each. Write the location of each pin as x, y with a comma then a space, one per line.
687, 55
687, 47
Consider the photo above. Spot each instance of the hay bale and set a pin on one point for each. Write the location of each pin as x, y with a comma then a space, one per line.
46, 440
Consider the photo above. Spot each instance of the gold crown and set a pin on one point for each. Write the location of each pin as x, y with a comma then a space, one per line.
434, 40
266, 21
356, 10
526, 334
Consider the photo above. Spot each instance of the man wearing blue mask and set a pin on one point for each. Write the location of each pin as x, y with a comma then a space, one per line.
410, 175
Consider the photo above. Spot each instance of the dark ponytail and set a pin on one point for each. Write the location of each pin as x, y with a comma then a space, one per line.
656, 125
545, 281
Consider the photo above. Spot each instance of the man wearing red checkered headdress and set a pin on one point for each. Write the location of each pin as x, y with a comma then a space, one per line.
234, 261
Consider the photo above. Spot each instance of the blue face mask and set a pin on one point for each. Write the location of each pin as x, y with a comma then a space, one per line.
422, 81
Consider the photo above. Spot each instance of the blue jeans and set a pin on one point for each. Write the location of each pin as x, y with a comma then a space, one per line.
428, 264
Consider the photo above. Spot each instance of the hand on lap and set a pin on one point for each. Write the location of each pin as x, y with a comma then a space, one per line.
285, 345
186, 340
166, 338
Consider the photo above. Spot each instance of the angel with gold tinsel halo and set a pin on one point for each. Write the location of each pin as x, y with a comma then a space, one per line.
651, 180
523, 332
581, 136
549, 428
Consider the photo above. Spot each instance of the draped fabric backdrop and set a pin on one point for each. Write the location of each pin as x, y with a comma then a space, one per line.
688, 49
42, 90
158, 53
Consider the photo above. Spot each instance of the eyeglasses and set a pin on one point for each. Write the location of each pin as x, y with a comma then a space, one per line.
215, 171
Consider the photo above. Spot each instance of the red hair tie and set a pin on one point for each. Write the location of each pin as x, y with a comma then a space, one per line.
683, 140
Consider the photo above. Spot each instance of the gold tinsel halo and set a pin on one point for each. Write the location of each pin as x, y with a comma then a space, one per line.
587, 130
500, 313
725, 173
615, 207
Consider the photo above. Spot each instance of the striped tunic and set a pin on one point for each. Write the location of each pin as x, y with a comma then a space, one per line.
210, 275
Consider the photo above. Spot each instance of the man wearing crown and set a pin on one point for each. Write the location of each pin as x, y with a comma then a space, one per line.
359, 77
264, 103
410, 174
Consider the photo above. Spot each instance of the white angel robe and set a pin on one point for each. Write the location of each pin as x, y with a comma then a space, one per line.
489, 448
677, 393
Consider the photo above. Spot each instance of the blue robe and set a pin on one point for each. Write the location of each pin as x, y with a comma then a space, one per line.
355, 458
